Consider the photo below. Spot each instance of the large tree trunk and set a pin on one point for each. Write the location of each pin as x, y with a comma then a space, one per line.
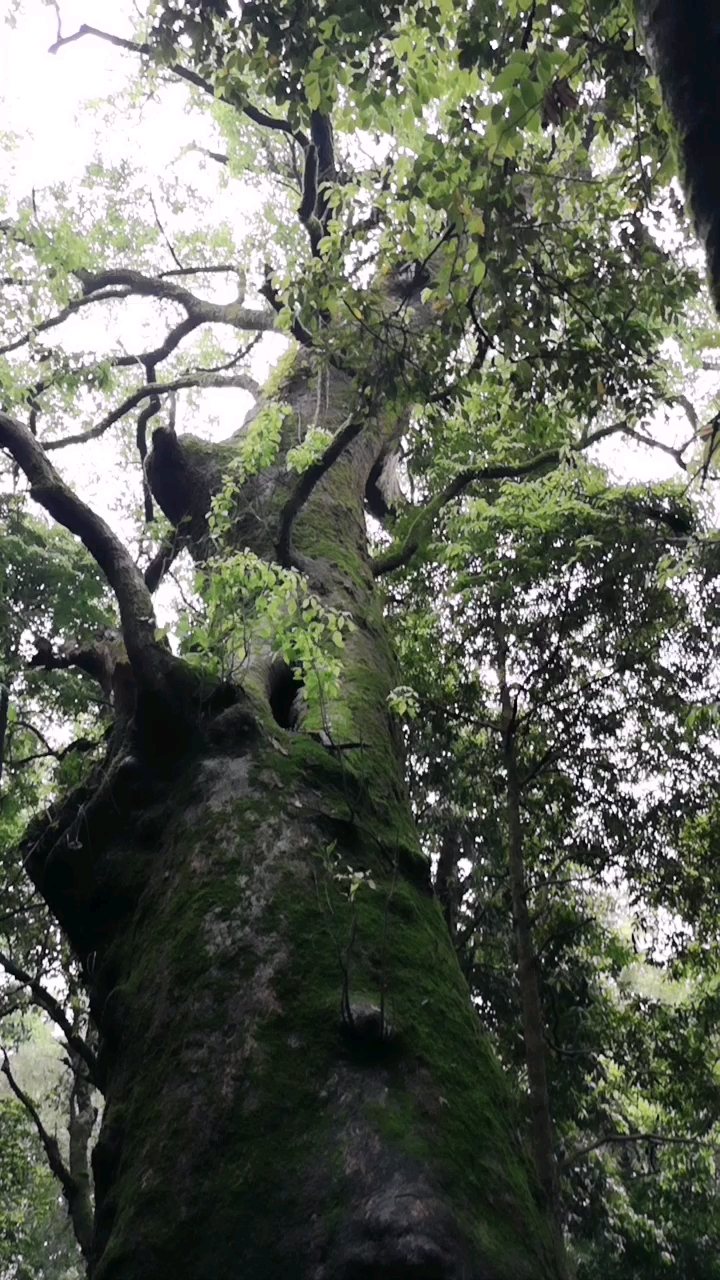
297, 1085
683, 45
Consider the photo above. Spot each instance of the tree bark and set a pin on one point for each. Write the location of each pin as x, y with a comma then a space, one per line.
683, 46
296, 1082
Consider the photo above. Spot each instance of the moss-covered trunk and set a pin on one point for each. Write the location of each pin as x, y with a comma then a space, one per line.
297, 1085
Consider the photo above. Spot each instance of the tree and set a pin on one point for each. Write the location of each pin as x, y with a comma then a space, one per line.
575, 609
474, 297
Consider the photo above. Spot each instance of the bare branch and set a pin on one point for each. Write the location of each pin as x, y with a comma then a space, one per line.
184, 73
198, 309
690, 413
52, 323
42, 997
149, 391
675, 453
623, 1139
163, 559
164, 234
222, 269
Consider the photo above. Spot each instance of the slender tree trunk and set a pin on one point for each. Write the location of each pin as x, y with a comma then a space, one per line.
80, 1127
297, 1085
446, 873
4, 707
527, 969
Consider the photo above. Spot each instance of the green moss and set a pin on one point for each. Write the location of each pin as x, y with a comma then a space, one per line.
238, 1091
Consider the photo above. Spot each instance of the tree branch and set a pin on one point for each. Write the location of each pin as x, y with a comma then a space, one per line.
395, 559
617, 1139
150, 391
183, 73
52, 1152
62, 316
54, 1010
198, 309
150, 660
83, 1115
307, 482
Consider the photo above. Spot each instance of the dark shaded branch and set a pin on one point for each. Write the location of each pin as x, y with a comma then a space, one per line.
164, 557
446, 874
151, 409
43, 325
218, 156
307, 482
4, 705
183, 73
164, 234
683, 47
42, 997
268, 291
423, 521
622, 1139
152, 390
150, 661
52, 1153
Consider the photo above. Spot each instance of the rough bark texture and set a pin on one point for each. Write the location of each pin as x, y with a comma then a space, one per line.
683, 45
297, 1084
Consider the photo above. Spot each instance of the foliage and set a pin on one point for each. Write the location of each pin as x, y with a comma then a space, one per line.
612, 654
249, 604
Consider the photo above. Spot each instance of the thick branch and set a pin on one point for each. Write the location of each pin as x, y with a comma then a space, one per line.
150, 661
198, 309
307, 482
54, 1010
395, 559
